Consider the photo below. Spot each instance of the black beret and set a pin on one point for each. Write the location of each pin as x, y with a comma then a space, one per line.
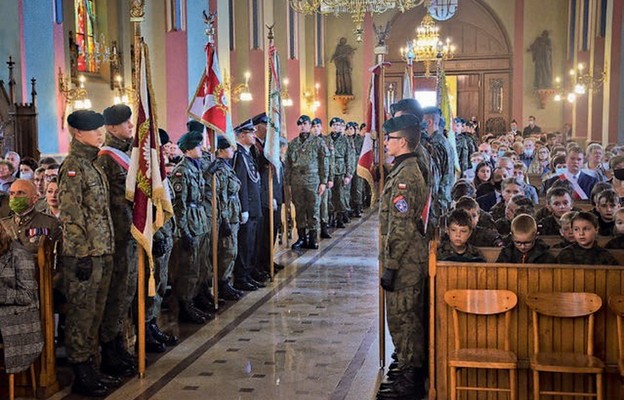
193, 125
246, 125
336, 119
222, 143
317, 121
459, 120
302, 119
400, 123
164, 136
411, 106
190, 140
260, 119
117, 114
85, 120
431, 110
352, 124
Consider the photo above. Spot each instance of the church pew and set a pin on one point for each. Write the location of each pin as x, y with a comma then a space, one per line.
551, 240
522, 279
491, 254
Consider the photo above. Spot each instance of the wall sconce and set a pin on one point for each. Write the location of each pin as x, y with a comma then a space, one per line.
581, 84
76, 96
286, 100
124, 95
241, 92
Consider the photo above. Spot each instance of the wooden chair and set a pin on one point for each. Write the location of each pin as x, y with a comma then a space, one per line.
33, 379
565, 305
616, 303
482, 303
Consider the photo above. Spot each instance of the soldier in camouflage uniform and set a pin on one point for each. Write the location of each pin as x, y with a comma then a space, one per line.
306, 171
113, 159
326, 206
343, 171
188, 186
465, 144
88, 246
357, 183
443, 156
403, 254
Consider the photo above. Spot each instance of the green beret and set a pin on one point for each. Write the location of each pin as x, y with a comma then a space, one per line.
193, 125
222, 143
352, 124
336, 120
316, 121
302, 119
400, 123
85, 120
117, 114
164, 137
190, 140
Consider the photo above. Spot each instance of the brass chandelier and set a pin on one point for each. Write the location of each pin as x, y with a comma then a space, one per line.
427, 46
357, 9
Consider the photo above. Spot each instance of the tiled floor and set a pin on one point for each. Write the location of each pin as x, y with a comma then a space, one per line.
312, 334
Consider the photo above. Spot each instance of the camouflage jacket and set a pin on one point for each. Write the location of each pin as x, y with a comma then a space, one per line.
306, 161
168, 229
577, 255
483, 237
357, 141
549, 226
84, 204
330, 156
116, 175
228, 186
188, 186
344, 154
443, 156
446, 252
403, 243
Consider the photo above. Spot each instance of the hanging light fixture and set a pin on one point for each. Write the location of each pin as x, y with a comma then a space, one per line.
427, 46
357, 9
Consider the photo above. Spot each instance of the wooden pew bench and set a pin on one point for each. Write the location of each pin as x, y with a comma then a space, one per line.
491, 254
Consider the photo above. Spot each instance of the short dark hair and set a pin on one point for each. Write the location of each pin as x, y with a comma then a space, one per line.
598, 187
47, 160
411, 134
556, 191
467, 203
459, 217
586, 216
609, 195
53, 166
411, 106
462, 188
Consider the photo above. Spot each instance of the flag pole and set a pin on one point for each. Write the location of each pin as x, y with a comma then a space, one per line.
270, 194
137, 12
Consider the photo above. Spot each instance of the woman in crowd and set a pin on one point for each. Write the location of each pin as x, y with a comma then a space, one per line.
483, 173
616, 165
595, 159
520, 173
540, 164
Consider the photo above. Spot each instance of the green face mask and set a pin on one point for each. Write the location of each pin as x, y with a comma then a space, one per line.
19, 204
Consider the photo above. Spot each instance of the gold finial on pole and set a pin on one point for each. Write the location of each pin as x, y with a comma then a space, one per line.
137, 10
209, 20
270, 36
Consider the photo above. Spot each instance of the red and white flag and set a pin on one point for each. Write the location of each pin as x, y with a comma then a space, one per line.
145, 185
275, 125
210, 105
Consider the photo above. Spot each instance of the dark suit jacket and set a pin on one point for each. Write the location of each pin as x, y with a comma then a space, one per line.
263, 168
487, 201
585, 181
247, 171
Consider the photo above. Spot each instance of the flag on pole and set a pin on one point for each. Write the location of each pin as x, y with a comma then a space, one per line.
408, 86
145, 185
275, 123
447, 113
209, 104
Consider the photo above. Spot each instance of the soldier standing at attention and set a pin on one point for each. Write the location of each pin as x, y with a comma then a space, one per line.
113, 159
357, 183
326, 208
403, 255
88, 246
343, 171
442, 155
306, 176
188, 185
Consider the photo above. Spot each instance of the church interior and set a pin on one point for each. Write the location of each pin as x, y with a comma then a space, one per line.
315, 331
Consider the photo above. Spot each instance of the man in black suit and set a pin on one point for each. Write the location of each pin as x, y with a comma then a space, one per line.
531, 129
582, 182
251, 209
263, 243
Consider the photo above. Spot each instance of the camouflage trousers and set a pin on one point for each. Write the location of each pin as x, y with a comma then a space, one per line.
340, 194
122, 289
205, 259
185, 269
161, 276
227, 249
85, 301
326, 206
406, 314
307, 206
357, 192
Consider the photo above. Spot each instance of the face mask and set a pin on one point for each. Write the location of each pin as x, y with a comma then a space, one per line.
560, 171
528, 152
26, 175
501, 153
486, 157
619, 174
474, 166
19, 204
605, 166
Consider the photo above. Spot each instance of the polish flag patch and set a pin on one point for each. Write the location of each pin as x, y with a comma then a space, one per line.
402, 186
71, 174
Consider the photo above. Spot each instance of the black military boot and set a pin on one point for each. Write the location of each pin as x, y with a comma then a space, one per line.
345, 217
325, 232
301, 240
112, 363
357, 213
188, 313
105, 379
408, 385
312, 240
332, 221
86, 382
162, 337
152, 345
227, 292
128, 358
340, 222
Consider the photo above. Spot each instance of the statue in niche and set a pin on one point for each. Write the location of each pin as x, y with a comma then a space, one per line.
342, 59
541, 49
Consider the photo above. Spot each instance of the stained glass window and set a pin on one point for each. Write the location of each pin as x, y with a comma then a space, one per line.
85, 34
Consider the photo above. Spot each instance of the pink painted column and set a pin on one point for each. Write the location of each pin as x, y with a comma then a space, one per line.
582, 105
59, 62
294, 90
257, 67
320, 77
615, 74
368, 60
518, 62
177, 83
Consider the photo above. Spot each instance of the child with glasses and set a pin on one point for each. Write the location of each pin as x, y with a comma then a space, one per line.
585, 251
525, 247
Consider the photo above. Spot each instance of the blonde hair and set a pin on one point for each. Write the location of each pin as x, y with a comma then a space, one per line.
566, 219
523, 224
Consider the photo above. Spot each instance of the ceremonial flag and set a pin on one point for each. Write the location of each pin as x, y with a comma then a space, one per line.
209, 104
145, 185
276, 112
447, 113
408, 86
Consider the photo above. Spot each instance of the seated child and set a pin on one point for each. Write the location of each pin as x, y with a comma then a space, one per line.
525, 247
546, 211
565, 230
607, 203
463, 188
618, 241
481, 237
509, 188
559, 201
585, 251
454, 246
503, 225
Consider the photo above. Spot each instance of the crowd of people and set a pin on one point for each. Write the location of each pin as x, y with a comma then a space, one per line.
505, 190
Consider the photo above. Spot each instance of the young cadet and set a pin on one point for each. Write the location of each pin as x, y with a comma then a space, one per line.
618, 241
607, 203
503, 225
454, 246
585, 250
509, 188
525, 247
559, 201
481, 237
565, 230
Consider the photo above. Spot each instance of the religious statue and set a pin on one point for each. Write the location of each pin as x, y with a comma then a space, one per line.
342, 59
541, 49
